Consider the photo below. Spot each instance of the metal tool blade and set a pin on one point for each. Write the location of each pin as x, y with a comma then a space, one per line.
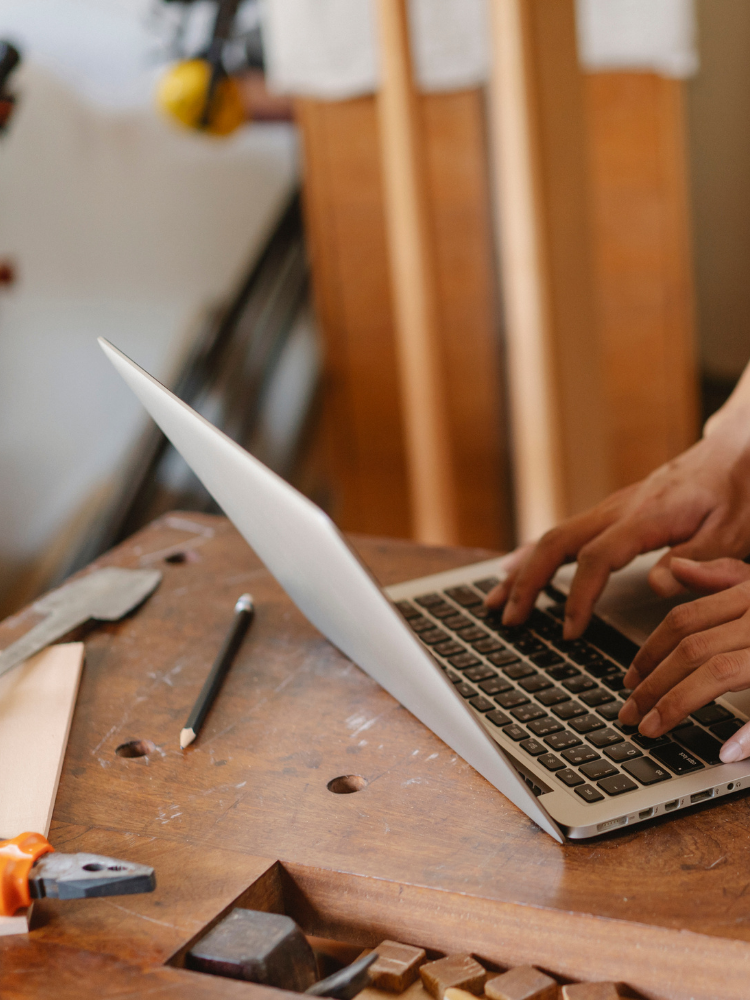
83, 876
106, 594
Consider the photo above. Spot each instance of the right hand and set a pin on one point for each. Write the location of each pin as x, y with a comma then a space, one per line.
699, 504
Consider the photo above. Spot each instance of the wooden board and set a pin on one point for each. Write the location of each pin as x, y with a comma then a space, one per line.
37, 700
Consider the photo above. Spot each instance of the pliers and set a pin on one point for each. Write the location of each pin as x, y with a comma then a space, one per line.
31, 869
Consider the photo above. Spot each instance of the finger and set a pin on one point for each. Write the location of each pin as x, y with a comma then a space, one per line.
708, 543
510, 564
682, 621
709, 577
722, 673
737, 747
691, 653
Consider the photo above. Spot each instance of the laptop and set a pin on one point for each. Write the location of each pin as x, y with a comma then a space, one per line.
532, 713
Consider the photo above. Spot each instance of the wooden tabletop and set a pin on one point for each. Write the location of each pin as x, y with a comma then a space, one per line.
427, 852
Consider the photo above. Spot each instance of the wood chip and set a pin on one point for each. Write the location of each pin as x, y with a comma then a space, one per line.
397, 966
522, 983
461, 971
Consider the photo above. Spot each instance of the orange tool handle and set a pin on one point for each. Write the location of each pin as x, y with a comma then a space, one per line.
17, 857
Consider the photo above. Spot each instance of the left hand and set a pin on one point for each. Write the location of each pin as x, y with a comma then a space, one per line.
700, 651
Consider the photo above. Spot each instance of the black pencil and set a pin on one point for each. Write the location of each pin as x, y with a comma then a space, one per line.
243, 615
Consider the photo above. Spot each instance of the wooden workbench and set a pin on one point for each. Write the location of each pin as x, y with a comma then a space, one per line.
427, 852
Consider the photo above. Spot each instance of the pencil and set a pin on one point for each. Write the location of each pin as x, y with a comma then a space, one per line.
243, 615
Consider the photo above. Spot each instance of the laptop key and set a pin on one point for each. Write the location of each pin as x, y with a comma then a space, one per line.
580, 755
596, 698
627, 730
723, 730
647, 742
420, 624
457, 621
465, 690
536, 683
407, 610
491, 645
588, 793
464, 660
580, 683
551, 762
443, 610
619, 752
545, 726
480, 673
563, 673
700, 743
676, 759
481, 704
487, 584
646, 771
561, 741
604, 738
515, 732
549, 658
602, 668
552, 697
427, 599
617, 784
597, 769
569, 710
434, 636
516, 670
534, 747
570, 777
586, 724
449, 648
710, 714
473, 634
511, 698
503, 658
614, 682
526, 713
495, 686
611, 711
464, 596
529, 645
497, 717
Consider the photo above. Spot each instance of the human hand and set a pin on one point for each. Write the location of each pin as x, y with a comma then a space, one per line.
700, 651
699, 504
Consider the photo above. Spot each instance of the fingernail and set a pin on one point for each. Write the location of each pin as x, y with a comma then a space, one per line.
651, 724
631, 678
730, 751
629, 713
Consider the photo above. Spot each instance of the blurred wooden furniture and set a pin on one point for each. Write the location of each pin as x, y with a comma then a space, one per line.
426, 852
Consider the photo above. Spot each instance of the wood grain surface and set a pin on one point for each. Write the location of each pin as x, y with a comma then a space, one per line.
427, 852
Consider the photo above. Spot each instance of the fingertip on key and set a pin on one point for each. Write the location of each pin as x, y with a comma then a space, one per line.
651, 723
629, 713
730, 752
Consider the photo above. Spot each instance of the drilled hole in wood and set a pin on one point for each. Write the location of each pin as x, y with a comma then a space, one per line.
135, 748
345, 784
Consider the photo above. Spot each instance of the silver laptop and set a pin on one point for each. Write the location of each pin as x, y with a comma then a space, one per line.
535, 715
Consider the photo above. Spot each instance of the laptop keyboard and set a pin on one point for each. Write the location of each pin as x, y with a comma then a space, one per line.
559, 700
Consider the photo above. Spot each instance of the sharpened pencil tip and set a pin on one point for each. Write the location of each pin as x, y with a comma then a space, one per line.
186, 738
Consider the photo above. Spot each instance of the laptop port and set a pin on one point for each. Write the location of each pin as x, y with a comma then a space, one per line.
645, 813
702, 796
669, 806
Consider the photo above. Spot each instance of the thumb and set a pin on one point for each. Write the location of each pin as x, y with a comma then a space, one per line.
702, 547
709, 577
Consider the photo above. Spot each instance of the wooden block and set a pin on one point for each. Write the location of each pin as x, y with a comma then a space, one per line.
37, 699
522, 983
461, 971
454, 993
397, 966
592, 991
258, 947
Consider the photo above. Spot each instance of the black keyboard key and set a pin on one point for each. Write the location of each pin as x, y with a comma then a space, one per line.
549, 658
723, 730
487, 584
595, 770
457, 621
479, 611
580, 755
611, 642
511, 698
611, 711
407, 610
676, 759
712, 713
491, 645
420, 624
680, 725
534, 684
563, 673
516, 670
586, 724
465, 690
646, 742
570, 777
551, 762
604, 738
449, 648
480, 673
434, 636
515, 732
443, 610
601, 668
569, 710
533, 747
481, 704
464, 660
614, 682
529, 645
596, 698
584, 654
545, 726
552, 697
646, 771
473, 634
525, 713
497, 717
619, 752
495, 686
503, 658
561, 741
453, 677
580, 683
464, 596
428, 599
700, 743
588, 793
627, 730
617, 784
